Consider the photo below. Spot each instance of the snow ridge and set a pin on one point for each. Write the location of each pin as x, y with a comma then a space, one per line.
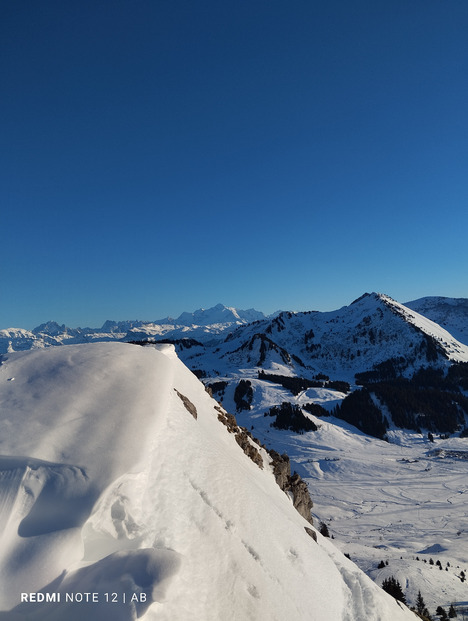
124, 491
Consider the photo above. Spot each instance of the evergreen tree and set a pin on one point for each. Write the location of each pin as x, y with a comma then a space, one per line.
421, 605
393, 587
452, 613
324, 529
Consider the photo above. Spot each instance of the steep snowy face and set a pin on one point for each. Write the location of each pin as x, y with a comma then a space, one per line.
450, 313
444, 341
120, 485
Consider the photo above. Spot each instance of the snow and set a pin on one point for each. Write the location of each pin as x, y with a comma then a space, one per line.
109, 485
455, 349
450, 313
393, 501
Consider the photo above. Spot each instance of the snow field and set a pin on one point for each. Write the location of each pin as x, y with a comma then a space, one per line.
380, 500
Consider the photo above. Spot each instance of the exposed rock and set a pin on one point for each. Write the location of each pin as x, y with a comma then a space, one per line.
311, 533
243, 437
281, 469
294, 484
244, 440
302, 500
188, 404
281, 465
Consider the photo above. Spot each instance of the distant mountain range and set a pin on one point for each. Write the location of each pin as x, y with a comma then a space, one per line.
202, 324
371, 330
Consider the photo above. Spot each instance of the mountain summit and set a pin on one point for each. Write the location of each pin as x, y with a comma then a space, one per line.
219, 314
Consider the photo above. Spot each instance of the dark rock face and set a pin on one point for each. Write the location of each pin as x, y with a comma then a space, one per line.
302, 500
243, 437
311, 533
281, 469
188, 404
294, 484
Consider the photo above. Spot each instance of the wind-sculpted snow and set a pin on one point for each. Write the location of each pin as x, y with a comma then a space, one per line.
116, 503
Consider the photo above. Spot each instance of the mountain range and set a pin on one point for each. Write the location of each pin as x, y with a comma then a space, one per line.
214, 324
203, 324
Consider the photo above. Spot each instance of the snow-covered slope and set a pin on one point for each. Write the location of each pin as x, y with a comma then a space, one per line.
117, 480
450, 313
401, 502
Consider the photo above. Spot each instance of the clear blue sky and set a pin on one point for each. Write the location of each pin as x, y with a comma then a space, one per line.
163, 155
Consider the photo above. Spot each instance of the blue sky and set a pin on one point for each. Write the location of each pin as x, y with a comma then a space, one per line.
161, 156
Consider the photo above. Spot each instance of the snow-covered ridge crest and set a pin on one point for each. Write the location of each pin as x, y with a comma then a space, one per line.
109, 484
454, 349
450, 313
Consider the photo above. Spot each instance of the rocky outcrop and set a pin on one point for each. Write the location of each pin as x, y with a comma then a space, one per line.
243, 437
301, 497
189, 406
293, 484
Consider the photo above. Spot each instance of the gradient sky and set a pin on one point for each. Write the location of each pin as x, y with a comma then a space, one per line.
164, 155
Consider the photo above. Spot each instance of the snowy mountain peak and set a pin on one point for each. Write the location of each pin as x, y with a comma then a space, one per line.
218, 314
52, 328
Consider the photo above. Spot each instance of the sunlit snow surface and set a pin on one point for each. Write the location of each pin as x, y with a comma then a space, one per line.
395, 501
109, 485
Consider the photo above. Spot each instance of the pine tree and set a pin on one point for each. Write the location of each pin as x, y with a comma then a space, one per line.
442, 613
324, 529
420, 605
393, 587
452, 613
